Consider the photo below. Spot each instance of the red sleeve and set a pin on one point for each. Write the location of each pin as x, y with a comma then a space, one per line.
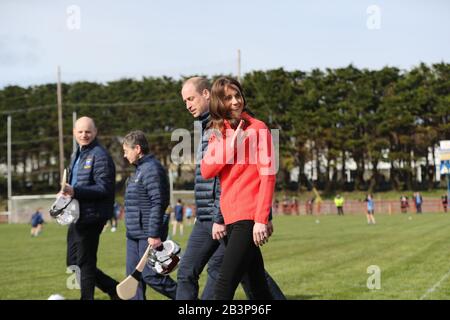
218, 154
267, 170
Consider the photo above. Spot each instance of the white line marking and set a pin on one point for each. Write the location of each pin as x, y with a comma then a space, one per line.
437, 284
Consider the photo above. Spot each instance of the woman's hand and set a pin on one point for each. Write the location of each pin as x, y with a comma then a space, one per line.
237, 133
260, 234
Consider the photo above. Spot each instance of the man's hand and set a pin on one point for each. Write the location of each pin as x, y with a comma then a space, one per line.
155, 243
68, 190
260, 234
269, 228
218, 231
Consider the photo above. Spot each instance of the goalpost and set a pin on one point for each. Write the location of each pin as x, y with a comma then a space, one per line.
22, 207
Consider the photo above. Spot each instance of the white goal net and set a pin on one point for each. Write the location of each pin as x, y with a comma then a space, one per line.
23, 207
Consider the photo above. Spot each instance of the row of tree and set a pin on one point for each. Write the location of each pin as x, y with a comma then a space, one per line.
327, 116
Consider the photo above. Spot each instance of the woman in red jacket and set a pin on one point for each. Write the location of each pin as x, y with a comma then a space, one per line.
240, 152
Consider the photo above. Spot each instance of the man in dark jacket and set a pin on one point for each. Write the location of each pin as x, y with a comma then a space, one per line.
206, 242
91, 182
146, 199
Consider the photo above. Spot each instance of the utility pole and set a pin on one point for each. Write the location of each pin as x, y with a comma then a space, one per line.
60, 125
8, 142
239, 66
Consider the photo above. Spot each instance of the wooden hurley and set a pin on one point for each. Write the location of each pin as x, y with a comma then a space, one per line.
64, 179
127, 288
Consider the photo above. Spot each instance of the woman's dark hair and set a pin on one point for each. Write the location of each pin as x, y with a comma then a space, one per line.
135, 138
217, 110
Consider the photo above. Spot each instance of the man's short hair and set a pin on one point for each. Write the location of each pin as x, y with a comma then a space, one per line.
199, 83
135, 138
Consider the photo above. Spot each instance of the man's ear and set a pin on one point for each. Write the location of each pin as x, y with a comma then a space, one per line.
206, 94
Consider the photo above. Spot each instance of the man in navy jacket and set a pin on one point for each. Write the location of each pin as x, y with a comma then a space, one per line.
147, 197
91, 182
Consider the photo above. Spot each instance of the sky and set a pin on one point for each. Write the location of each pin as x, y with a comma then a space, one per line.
104, 41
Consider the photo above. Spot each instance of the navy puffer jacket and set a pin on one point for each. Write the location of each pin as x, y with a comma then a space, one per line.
207, 191
147, 197
95, 187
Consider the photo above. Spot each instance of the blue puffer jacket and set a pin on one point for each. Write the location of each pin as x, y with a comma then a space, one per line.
95, 187
147, 197
207, 191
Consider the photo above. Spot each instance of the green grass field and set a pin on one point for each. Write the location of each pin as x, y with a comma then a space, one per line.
310, 257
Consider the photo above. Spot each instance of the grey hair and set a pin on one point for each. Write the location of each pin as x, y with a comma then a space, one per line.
137, 138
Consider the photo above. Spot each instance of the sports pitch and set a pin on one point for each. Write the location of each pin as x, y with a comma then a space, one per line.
318, 258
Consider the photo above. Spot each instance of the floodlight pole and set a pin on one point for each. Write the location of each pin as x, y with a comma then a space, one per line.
9, 169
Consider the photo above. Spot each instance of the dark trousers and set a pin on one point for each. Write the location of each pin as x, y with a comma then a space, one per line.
82, 245
201, 250
340, 211
418, 208
241, 256
165, 285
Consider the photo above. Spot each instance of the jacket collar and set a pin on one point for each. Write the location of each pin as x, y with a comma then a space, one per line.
244, 115
89, 146
204, 118
143, 159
